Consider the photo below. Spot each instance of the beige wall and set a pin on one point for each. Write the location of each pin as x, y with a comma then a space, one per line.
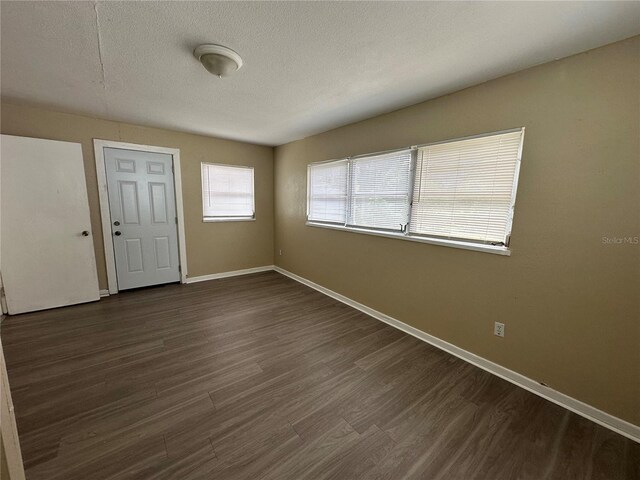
211, 247
571, 304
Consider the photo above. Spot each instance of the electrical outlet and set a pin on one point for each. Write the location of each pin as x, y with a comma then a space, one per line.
498, 329
280, 252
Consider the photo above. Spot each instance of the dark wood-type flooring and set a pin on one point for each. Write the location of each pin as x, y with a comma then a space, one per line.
260, 377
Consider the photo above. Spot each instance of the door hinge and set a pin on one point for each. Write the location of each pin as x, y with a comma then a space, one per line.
176, 220
180, 268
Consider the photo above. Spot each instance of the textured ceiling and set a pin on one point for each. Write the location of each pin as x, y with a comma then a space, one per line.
309, 66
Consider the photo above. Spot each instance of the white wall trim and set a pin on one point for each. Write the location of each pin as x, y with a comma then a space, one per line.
104, 293
8, 428
3, 300
105, 214
598, 416
233, 273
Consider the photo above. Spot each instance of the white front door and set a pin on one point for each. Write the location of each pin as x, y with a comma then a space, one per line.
47, 258
143, 217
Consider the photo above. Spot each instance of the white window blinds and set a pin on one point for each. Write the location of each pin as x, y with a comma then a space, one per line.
327, 197
227, 192
379, 191
466, 189
458, 193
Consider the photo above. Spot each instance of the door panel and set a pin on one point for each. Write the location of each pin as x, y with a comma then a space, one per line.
129, 203
127, 166
133, 247
158, 201
155, 168
143, 213
45, 211
163, 256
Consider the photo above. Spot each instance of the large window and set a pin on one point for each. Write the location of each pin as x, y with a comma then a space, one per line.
459, 192
227, 193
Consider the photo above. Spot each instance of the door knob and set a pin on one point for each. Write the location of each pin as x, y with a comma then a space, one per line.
117, 233
85, 233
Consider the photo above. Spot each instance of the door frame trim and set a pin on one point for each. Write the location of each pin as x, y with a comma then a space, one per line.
105, 212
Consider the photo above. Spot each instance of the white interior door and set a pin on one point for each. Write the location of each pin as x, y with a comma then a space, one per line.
47, 254
143, 217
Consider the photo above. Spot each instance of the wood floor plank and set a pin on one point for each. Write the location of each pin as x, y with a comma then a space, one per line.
259, 377
198, 464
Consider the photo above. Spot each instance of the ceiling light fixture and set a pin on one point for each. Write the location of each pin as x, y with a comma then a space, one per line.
219, 60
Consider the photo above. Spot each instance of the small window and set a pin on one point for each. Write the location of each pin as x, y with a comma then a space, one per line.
380, 190
227, 193
327, 184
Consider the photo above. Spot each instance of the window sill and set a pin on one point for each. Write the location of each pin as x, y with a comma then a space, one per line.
496, 250
227, 219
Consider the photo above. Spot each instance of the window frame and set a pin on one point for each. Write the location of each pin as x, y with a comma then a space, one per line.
230, 218
430, 239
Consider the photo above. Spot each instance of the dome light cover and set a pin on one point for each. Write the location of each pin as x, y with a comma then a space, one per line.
218, 60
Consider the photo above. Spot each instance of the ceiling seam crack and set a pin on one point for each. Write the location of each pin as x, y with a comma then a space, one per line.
99, 40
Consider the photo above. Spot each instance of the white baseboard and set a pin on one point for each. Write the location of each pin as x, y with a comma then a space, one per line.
234, 273
598, 416
104, 293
